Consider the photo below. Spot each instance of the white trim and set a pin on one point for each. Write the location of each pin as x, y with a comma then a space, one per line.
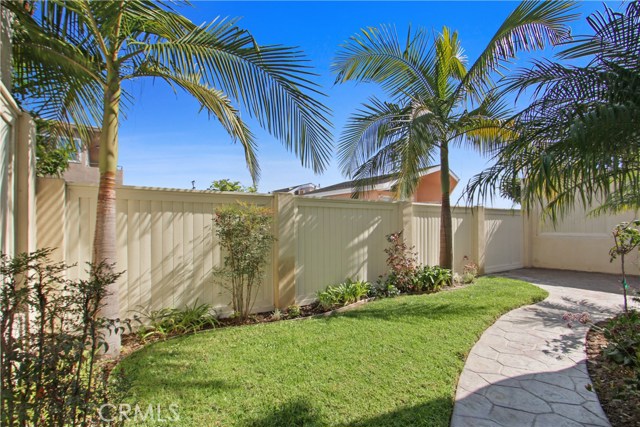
11, 102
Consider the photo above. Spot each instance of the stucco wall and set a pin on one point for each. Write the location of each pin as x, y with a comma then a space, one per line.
577, 242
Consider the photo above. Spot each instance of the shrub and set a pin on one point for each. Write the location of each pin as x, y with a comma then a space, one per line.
469, 271
432, 278
245, 236
623, 341
384, 288
343, 294
174, 321
294, 311
626, 236
623, 334
52, 335
402, 263
276, 315
457, 278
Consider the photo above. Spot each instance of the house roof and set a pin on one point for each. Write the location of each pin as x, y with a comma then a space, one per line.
388, 179
293, 188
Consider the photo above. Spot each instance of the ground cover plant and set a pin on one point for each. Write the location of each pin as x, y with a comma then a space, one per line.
613, 348
346, 293
391, 362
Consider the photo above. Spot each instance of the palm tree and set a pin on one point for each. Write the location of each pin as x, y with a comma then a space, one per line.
437, 102
75, 56
578, 140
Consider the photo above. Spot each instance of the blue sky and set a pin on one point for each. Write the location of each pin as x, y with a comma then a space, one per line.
166, 142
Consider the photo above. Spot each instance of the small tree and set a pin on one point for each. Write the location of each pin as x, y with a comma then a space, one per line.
402, 261
228, 185
627, 238
245, 236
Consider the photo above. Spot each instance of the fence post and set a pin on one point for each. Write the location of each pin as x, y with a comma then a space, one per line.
528, 230
284, 283
406, 222
479, 240
26, 184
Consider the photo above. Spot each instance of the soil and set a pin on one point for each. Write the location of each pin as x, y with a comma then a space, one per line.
621, 405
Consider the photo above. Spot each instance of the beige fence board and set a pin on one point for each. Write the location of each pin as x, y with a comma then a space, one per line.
338, 240
503, 240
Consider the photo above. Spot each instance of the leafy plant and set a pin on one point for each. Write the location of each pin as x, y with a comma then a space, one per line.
384, 289
457, 278
433, 278
402, 263
276, 315
469, 271
294, 311
623, 334
245, 236
627, 238
51, 160
174, 321
623, 340
343, 294
52, 335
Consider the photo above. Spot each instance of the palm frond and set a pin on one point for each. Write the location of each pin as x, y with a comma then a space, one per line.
532, 25
367, 131
272, 82
377, 55
216, 103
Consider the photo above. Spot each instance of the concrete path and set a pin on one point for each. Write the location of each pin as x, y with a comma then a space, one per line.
529, 368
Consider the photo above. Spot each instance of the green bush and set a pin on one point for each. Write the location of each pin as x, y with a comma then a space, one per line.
174, 321
244, 232
402, 263
384, 288
52, 335
623, 334
343, 294
469, 271
432, 278
294, 311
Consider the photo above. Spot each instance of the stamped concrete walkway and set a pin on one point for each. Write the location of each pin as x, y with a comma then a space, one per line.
529, 368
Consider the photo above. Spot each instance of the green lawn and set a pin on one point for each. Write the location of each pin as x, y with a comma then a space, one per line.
393, 362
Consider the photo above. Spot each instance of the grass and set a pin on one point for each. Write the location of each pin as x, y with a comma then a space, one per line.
393, 362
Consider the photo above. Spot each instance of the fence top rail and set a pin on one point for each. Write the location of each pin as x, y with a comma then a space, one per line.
503, 211
307, 200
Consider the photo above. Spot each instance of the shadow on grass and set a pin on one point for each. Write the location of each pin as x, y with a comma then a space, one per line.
293, 413
301, 413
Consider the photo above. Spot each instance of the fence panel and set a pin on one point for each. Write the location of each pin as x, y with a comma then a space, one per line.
426, 234
503, 240
166, 246
340, 239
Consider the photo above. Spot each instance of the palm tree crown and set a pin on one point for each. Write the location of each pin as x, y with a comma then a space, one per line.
578, 140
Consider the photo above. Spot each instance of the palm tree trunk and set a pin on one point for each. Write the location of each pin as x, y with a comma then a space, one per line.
104, 243
446, 232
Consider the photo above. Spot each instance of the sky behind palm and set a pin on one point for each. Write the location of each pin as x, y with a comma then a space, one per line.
166, 142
